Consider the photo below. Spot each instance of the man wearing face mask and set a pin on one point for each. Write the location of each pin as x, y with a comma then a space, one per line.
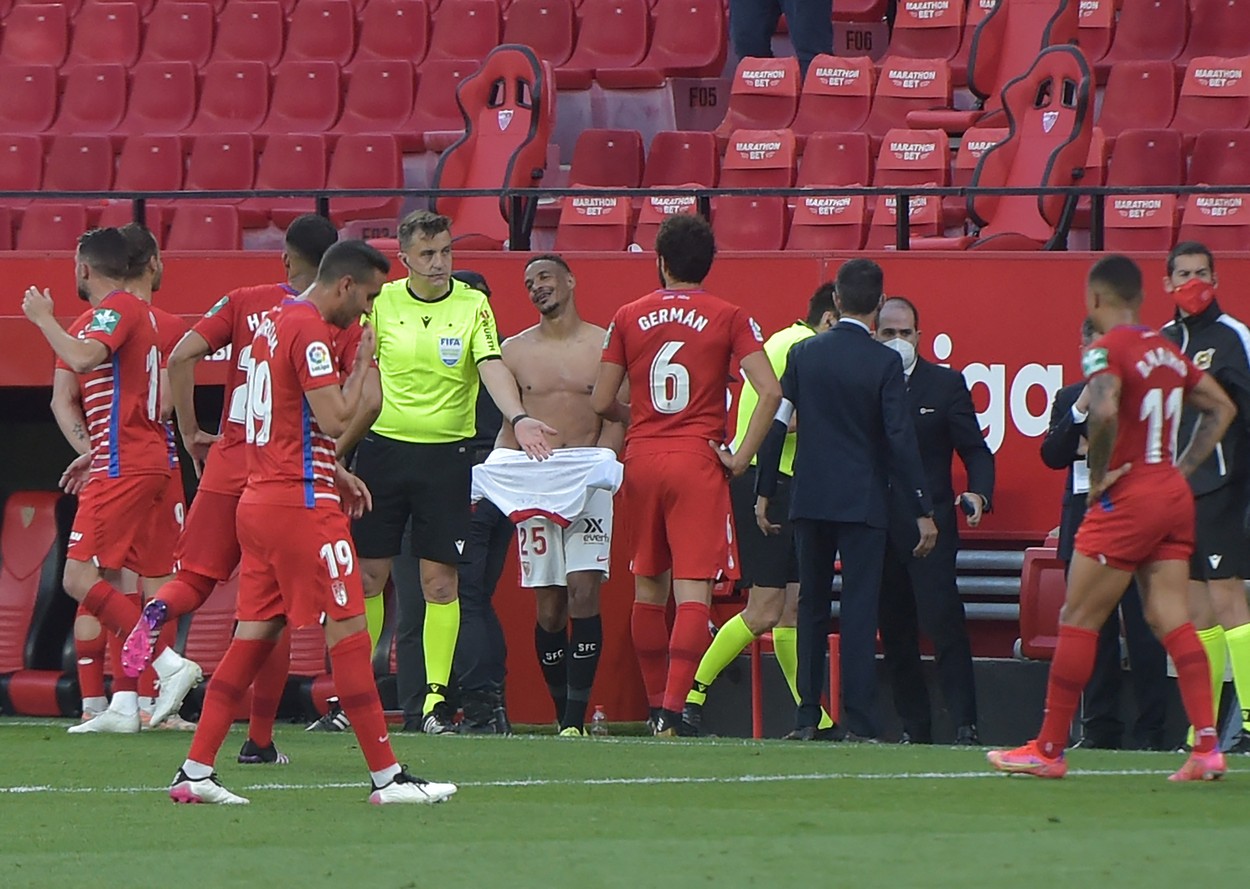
921, 594
1219, 344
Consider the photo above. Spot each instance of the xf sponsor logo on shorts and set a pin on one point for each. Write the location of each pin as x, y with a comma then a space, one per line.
594, 532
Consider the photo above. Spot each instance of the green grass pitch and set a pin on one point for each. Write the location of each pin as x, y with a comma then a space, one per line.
87, 811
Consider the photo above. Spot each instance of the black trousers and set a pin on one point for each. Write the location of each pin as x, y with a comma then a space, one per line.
861, 548
920, 595
752, 23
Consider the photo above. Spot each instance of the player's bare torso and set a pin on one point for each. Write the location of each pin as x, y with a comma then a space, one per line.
556, 376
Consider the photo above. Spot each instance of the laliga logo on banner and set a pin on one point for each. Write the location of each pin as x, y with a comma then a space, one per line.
1004, 400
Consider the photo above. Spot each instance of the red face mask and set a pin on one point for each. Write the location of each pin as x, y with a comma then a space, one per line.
1194, 296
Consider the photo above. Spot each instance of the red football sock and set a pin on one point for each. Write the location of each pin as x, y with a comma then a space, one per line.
1070, 670
185, 593
147, 679
111, 607
358, 696
267, 692
121, 682
689, 641
91, 663
1193, 676
649, 628
221, 700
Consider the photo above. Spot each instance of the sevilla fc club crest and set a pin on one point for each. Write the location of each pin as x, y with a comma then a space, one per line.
505, 118
1048, 120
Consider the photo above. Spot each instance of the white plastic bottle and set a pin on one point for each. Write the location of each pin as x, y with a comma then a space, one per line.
599, 723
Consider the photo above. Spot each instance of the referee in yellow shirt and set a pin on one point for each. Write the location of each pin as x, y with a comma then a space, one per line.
436, 340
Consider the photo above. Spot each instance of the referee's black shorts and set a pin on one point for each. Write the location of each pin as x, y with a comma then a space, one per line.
1220, 542
767, 561
431, 483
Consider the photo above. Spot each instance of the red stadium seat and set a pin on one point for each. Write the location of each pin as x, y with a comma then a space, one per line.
361, 161
759, 159
1043, 588
545, 26
1147, 29
1096, 28
322, 30
750, 223
106, 33
611, 34
71, 6
222, 162
1220, 157
655, 210
93, 100
826, 223
913, 157
162, 98
925, 30
1139, 95
28, 95
465, 29
35, 34
1140, 222
306, 98
197, 226
6, 228
79, 163
436, 120
608, 158
235, 98
1008, 41
592, 222
180, 32
924, 214
975, 142
146, 163
250, 31
47, 226
1147, 157
1216, 28
764, 96
379, 98
975, 14
21, 167
680, 157
860, 10
288, 161
392, 30
836, 159
1215, 94
688, 41
836, 97
905, 86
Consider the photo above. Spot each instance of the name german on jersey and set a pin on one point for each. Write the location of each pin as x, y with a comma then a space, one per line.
689, 317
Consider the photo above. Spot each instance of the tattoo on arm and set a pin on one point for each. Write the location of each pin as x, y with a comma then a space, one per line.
79, 432
1102, 424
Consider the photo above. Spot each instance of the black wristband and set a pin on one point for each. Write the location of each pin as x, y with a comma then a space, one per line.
517, 419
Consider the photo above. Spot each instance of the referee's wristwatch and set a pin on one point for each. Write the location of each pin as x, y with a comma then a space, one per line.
517, 419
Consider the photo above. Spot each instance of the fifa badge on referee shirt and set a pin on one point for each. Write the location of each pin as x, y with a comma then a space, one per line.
449, 349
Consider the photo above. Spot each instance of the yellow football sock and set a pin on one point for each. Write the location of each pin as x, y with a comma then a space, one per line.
728, 643
375, 615
1238, 641
442, 628
785, 644
1213, 642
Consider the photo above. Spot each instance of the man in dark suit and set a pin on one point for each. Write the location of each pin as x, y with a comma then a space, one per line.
854, 435
1064, 448
922, 594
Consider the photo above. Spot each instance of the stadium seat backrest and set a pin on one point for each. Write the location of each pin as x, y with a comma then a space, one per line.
1217, 28
47, 226
435, 106
680, 157
1049, 113
655, 209
28, 98
750, 223
221, 162
594, 222
913, 157
1148, 29
924, 214
322, 30
93, 100
975, 14
836, 97
546, 26
180, 32
907, 85
162, 97
1147, 157
379, 97
836, 159
465, 29
1008, 40
759, 159
394, 29
611, 34
105, 33
28, 570
1042, 590
608, 158
291, 160
1140, 222
975, 142
306, 97
365, 160
928, 29
764, 95
1096, 27
1219, 221
199, 226
1215, 93
1139, 95
79, 163
235, 98
150, 163
689, 38
21, 163
1220, 157
250, 31
508, 108
829, 222
35, 35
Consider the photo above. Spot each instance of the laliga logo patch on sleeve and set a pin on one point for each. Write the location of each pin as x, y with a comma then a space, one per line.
755, 329
319, 361
608, 336
1094, 361
217, 307
103, 319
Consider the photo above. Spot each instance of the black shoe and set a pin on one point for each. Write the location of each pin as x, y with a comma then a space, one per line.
439, 721
806, 733
966, 736
853, 738
252, 754
653, 719
671, 725
335, 720
1241, 744
503, 726
916, 736
692, 716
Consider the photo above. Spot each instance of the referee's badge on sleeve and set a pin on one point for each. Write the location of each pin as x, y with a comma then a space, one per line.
449, 350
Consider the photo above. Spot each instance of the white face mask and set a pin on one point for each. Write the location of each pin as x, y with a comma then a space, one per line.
906, 351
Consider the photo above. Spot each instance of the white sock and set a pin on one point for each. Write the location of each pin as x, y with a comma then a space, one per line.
94, 704
146, 703
167, 662
385, 776
196, 771
125, 702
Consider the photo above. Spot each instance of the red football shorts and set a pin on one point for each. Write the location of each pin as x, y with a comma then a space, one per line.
1140, 520
299, 563
679, 517
209, 545
173, 514
122, 523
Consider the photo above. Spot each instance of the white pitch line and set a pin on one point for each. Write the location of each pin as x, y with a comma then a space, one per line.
594, 782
